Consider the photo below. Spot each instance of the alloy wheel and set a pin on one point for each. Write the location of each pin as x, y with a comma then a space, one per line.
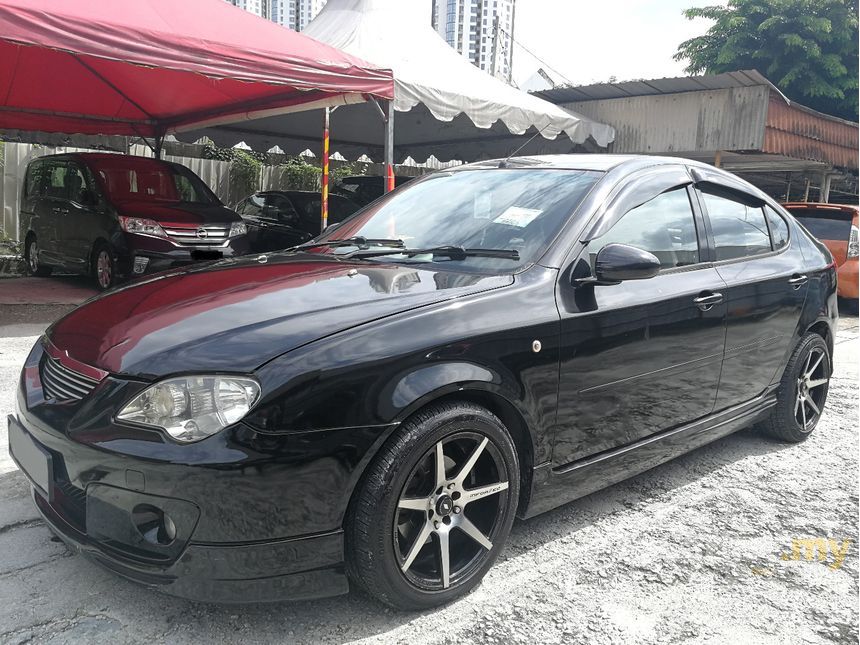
104, 269
33, 257
450, 511
811, 390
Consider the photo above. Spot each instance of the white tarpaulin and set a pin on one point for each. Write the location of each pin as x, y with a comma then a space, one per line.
445, 106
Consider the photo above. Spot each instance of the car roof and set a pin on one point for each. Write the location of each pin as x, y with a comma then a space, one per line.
597, 162
96, 156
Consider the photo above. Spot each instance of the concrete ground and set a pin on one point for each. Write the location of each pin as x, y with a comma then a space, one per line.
701, 549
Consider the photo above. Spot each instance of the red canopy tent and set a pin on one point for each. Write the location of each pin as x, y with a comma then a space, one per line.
153, 67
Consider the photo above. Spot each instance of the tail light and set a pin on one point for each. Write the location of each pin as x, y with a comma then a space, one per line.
853, 245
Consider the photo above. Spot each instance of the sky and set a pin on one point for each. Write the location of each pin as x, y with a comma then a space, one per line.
590, 41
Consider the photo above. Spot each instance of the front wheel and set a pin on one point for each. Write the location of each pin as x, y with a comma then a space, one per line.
434, 509
802, 391
104, 266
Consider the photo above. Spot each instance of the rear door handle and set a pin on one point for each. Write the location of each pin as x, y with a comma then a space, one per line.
707, 301
798, 281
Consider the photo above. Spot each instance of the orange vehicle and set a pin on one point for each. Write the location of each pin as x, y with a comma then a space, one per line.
836, 226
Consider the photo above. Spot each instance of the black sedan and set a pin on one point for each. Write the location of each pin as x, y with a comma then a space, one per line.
281, 219
375, 409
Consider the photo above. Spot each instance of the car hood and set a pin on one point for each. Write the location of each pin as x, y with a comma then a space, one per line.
178, 212
234, 315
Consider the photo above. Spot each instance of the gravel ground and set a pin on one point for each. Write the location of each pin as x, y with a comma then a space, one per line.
691, 551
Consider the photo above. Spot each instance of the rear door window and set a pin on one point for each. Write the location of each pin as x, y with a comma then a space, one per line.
739, 229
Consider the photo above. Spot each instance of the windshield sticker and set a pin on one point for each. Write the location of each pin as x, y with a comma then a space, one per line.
516, 216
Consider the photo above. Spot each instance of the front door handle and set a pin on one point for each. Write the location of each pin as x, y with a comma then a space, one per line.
60, 211
705, 302
798, 281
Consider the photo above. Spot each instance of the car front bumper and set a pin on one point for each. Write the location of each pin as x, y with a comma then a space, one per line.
143, 254
101, 521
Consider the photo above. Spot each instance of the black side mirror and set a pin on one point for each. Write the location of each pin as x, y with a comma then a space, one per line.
618, 262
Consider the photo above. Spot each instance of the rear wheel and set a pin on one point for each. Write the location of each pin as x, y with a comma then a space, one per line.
103, 266
802, 392
31, 255
434, 509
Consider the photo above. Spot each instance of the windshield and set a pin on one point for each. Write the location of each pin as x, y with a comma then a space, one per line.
517, 209
824, 224
150, 180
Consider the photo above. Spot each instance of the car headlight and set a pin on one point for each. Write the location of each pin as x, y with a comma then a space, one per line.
238, 228
191, 408
141, 226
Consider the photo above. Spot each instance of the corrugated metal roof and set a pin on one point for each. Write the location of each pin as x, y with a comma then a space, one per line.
801, 133
597, 91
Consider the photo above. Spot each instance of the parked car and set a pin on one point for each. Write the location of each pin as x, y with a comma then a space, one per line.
836, 226
114, 216
280, 219
488, 342
363, 189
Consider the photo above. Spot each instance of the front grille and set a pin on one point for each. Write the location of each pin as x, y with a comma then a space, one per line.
62, 384
206, 235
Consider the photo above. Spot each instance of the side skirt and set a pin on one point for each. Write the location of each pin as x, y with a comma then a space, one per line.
554, 486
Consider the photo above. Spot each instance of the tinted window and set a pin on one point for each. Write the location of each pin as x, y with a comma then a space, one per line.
739, 230
135, 178
281, 207
47, 179
825, 224
516, 208
74, 183
663, 226
778, 228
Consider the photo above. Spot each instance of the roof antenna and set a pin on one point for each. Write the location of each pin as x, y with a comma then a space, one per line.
504, 162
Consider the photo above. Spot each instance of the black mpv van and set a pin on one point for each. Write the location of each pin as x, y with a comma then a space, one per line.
114, 216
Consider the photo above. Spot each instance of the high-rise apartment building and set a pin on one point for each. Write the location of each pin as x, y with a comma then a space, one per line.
256, 7
295, 14
481, 30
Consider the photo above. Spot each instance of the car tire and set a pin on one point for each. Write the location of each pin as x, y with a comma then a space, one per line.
405, 512
103, 266
802, 391
31, 256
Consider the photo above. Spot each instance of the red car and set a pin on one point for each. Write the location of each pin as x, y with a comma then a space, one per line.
836, 226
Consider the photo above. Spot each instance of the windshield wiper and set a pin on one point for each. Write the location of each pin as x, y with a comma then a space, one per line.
453, 252
363, 243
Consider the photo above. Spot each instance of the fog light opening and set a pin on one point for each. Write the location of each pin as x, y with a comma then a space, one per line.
153, 524
140, 264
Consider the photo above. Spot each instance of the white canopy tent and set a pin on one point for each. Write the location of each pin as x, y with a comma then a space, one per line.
446, 107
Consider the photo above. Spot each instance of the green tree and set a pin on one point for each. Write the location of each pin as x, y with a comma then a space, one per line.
807, 48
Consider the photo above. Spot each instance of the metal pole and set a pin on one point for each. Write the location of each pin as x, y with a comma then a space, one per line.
718, 158
495, 45
806, 192
324, 201
824, 195
389, 147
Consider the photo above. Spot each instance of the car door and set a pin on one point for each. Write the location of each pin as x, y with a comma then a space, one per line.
765, 289
284, 223
641, 356
48, 208
81, 222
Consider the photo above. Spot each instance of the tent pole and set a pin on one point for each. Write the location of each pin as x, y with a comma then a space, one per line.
159, 145
325, 169
389, 147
